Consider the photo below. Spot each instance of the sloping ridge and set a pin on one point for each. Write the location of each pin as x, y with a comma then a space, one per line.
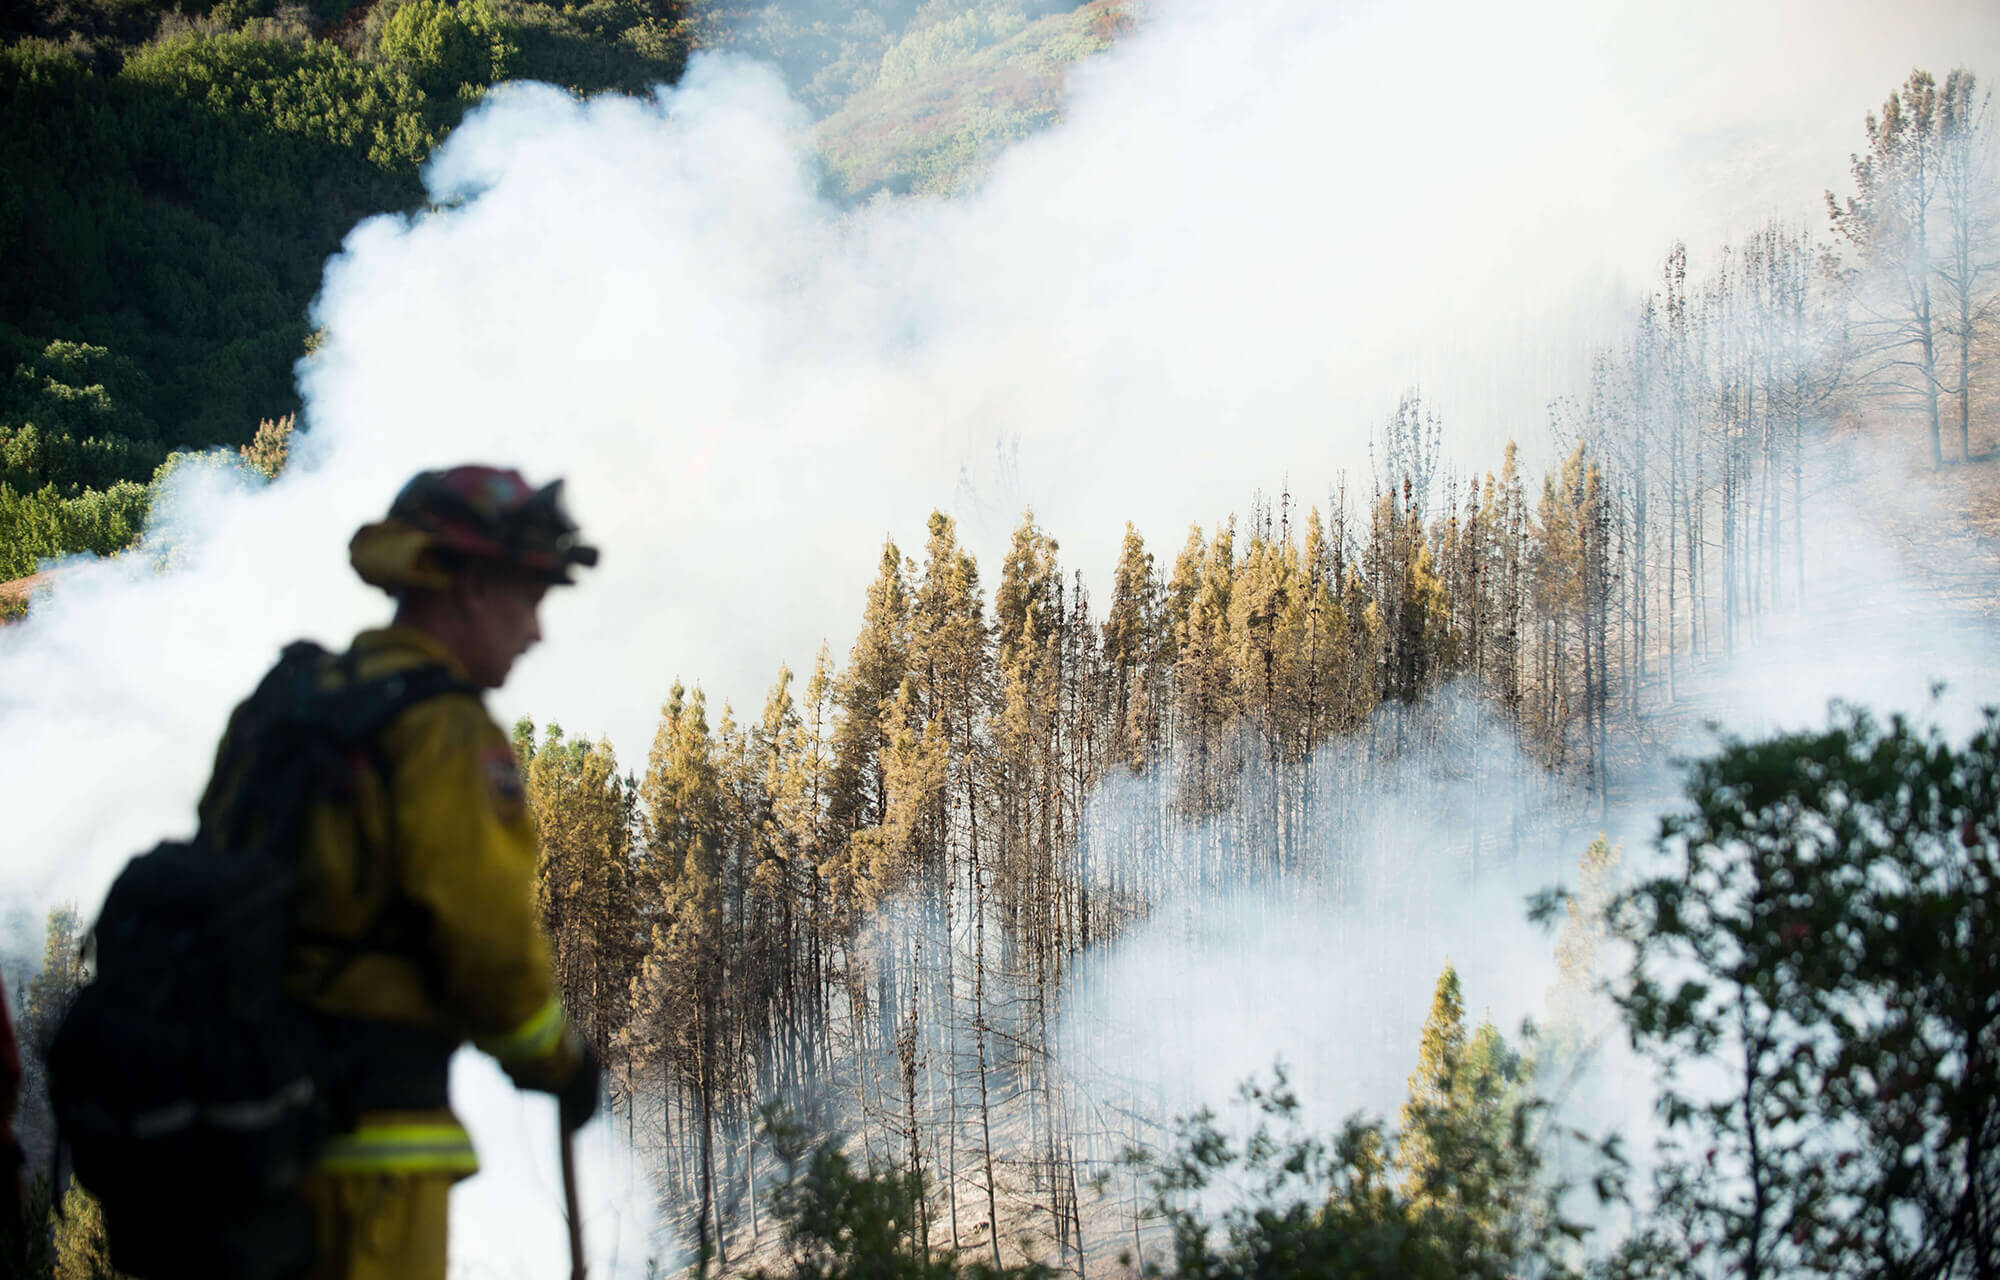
938, 132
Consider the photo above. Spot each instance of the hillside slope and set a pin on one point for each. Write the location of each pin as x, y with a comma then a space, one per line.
951, 96
179, 181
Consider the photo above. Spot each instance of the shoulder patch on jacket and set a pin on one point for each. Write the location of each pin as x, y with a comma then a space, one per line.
503, 783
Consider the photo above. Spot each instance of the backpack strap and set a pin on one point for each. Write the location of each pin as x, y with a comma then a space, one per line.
358, 715
364, 708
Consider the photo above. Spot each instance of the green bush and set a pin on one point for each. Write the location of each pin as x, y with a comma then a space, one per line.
944, 45
841, 1222
446, 47
44, 525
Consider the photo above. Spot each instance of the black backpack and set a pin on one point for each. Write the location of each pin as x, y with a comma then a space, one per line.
192, 1091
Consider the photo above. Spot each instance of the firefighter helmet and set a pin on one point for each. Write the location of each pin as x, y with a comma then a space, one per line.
444, 520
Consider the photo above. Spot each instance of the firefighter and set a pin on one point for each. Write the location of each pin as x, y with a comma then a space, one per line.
416, 928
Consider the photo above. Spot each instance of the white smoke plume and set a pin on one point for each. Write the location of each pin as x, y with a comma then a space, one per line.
1257, 225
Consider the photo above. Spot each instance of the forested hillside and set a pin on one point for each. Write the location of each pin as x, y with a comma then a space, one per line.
177, 175
872, 895
875, 898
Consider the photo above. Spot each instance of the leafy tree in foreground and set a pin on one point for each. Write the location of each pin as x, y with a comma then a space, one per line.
1818, 973
1461, 1192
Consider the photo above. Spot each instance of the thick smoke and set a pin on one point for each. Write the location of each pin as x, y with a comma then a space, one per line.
1328, 964
1259, 223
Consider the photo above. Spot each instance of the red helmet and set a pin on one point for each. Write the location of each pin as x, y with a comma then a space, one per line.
443, 520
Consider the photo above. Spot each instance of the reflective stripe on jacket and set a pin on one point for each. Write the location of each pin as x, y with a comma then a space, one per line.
392, 1143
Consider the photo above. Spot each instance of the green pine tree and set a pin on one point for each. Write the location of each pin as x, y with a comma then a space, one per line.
864, 692
680, 1019
1136, 646
583, 812
1440, 1054
1465, 1155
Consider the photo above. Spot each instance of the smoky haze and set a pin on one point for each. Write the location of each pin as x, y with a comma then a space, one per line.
1257, 225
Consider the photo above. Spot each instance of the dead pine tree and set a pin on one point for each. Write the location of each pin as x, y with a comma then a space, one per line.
1888, 225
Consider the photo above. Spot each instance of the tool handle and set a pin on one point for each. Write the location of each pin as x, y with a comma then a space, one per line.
570, 1205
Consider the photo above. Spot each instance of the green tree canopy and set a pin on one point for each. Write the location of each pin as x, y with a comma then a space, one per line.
1824, 935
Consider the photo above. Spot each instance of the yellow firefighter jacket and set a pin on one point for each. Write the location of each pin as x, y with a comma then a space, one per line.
429, 862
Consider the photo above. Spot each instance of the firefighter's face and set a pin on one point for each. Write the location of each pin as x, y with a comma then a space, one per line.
501, 612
